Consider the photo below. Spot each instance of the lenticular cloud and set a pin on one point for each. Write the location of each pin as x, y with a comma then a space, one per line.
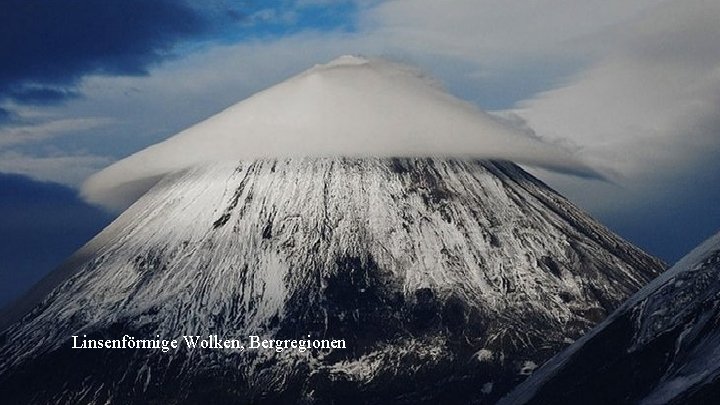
351, 107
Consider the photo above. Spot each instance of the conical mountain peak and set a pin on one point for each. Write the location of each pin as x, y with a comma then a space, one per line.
449, 280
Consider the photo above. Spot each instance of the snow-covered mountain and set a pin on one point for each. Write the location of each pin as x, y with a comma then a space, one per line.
661, 347
450, 281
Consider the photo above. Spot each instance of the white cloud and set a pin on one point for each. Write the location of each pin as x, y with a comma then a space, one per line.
350, 107
70, 170
13, 135
647, 112
493, 33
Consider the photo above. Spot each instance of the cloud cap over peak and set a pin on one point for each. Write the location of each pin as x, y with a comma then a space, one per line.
352, 106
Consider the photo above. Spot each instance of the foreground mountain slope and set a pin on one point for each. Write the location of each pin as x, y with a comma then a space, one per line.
663, 346
450, 280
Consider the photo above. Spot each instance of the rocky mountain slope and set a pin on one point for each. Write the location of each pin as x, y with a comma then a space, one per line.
450, 281
661, 347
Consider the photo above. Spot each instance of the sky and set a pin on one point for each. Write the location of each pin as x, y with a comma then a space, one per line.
631, 89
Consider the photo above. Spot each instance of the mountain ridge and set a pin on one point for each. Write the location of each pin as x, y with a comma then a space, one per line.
661, 346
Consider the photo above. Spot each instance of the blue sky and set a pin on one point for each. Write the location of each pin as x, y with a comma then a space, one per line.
631, 87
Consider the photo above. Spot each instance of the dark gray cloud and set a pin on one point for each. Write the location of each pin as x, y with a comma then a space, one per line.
46, 47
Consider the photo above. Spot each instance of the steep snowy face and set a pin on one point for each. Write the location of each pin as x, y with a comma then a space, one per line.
449, 280
352, 107
662, 346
